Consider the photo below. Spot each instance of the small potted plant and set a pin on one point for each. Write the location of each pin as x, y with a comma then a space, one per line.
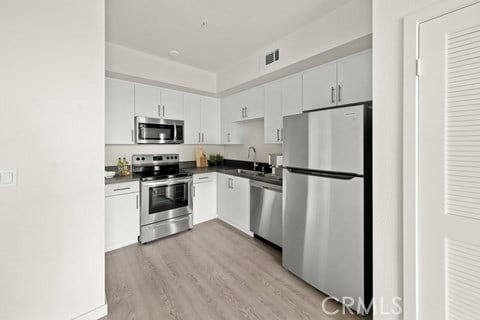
219, 159
212, 159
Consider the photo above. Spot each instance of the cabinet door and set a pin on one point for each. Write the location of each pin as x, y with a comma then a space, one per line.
210, 124
254, 103
204, 201
192, 107
240, 203
273, 113
147, 101
122, 220
354, 78
319, 87
172, 104
232, 133
292, 95
119, 111
224, 207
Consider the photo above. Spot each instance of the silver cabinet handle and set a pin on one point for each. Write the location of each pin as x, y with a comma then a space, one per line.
339, 93
203, 137
159, 110
199, 137
281, 134
163, 111
137, 202
202, 178
333, 94
133, 138
278, 134
193, 191
246, 112
121, 189
228, 137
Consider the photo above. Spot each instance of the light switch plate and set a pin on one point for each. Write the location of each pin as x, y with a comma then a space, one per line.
8, 177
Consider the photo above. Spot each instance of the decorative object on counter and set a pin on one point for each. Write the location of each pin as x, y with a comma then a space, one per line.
215, 160
109, 174
201, 158
125, 168
122, 167
275, 160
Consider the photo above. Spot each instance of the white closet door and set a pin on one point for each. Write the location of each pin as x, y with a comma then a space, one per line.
449, 167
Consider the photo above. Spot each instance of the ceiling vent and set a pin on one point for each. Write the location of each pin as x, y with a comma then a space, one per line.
272, 57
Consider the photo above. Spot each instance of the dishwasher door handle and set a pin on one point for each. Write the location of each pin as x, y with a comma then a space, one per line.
268, 186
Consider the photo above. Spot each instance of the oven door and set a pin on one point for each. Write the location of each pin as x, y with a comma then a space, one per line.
165, 199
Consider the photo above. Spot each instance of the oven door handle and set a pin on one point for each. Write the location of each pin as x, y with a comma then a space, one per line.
168, 182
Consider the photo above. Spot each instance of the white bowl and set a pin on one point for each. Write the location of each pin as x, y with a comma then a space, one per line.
109, 174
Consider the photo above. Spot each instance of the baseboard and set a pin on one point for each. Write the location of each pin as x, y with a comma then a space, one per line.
94, 314
236, 227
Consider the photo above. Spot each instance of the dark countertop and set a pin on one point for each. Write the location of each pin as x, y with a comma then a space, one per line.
120, 179
227, 170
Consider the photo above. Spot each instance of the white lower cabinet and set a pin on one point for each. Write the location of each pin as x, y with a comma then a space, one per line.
204, 197
122, 215
234, 201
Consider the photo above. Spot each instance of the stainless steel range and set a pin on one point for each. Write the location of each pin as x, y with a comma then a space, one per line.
165, 193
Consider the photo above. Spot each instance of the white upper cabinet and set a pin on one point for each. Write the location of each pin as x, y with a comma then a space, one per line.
119, 115
319, 87
346, 81
210, 120
231, 132
157, 102
193, 112
292, 95
354, 78
172, 104
147, 101
273, 121
249, 104
202, 119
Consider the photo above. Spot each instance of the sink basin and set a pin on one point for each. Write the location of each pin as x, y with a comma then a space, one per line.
245, 172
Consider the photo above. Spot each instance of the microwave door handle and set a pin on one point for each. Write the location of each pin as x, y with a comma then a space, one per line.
175, 132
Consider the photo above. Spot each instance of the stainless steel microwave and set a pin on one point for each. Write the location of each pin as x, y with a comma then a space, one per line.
156, 130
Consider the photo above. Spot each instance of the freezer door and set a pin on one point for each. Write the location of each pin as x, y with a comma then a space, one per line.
323, 233
329, 140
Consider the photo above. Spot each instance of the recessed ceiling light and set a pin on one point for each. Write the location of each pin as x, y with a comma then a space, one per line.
204, 24
173, 53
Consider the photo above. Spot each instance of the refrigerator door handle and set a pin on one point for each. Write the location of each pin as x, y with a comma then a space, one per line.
326, 174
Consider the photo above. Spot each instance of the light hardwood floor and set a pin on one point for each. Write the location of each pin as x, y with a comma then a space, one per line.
211, 272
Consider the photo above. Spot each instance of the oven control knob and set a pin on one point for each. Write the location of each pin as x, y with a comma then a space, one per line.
168, 158
138, 158
143, 158
176, 157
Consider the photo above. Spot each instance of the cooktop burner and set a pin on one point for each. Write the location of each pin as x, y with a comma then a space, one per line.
150, 167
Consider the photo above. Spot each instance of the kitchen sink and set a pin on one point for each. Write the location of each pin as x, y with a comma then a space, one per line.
252, 173
246, 172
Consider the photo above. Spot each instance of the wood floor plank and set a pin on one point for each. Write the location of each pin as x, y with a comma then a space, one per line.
211, 272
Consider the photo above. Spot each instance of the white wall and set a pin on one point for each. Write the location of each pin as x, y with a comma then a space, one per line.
52, 130
186, 152
347, 23
387, 145
135, 63
253, 136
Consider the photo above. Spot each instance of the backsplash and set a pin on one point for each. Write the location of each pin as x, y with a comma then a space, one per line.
253, 136
186, 152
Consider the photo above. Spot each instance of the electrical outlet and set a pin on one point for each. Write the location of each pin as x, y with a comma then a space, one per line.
8, 178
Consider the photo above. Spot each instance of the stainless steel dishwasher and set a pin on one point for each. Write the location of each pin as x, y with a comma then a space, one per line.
266, 211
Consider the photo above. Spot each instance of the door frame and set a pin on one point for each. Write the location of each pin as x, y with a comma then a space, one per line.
410, 145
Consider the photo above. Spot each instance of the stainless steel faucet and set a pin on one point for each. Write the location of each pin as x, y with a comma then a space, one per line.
255, 165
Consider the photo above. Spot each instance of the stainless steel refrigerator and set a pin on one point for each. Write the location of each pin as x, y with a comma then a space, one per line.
327, 201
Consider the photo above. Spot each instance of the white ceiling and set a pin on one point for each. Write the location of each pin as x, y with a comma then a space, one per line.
236, 28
